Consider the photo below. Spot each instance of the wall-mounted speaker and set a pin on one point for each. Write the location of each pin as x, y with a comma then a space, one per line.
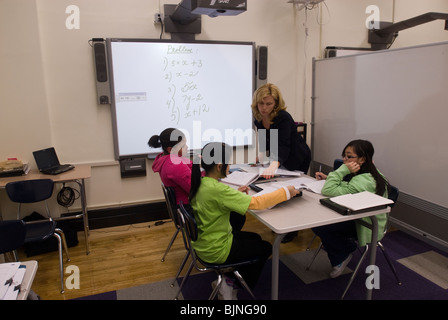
101, 74
262, 65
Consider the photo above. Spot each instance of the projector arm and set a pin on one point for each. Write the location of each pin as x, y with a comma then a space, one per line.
182, 13
381, 38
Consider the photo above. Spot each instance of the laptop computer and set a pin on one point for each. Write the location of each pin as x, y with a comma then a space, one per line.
48, 163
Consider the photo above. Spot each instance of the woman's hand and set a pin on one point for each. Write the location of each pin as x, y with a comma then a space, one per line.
270, 171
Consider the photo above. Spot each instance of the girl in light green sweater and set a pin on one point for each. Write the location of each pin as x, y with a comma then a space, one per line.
357, 174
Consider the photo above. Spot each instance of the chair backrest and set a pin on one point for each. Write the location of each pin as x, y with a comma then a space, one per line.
337, 163
171, 203
393, 194
12, 235
188, 222
29, 191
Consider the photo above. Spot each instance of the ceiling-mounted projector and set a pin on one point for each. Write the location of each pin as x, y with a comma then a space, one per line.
214, 8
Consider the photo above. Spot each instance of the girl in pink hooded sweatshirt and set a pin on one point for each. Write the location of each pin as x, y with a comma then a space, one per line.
174, 169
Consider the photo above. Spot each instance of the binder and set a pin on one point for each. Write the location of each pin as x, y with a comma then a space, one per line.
356, 203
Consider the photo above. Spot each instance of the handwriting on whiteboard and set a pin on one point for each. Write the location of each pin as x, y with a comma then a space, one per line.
182, 66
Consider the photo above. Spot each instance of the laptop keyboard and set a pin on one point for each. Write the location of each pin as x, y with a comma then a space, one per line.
62, 168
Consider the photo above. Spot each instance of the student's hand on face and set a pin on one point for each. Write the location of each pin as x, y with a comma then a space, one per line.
354, 167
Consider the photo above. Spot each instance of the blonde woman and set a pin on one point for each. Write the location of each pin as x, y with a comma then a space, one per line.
269, 111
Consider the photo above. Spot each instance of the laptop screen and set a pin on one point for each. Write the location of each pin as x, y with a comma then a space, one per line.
46, 158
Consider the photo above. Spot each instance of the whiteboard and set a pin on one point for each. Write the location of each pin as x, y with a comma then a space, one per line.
202, 88
398, 100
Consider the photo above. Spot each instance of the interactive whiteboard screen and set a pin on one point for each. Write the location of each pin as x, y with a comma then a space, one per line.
202, 88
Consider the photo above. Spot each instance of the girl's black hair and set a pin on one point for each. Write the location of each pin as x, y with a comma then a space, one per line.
212, 154
167, 138
364, 149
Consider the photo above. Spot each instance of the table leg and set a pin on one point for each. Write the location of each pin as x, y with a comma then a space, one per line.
373, 250
85, 217
275, 265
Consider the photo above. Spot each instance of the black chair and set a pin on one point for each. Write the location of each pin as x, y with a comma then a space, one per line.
189, 229
31, 191
393, 195
171, 203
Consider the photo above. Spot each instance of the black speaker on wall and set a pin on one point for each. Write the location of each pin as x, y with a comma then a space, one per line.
262, 65
102, 77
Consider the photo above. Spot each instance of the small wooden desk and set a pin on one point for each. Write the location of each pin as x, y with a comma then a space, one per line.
303, 213
77, 175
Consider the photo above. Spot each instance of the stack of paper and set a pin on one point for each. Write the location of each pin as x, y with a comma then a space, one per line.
362, 200
11, 276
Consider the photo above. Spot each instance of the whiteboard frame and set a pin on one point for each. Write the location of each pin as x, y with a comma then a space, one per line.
152, 152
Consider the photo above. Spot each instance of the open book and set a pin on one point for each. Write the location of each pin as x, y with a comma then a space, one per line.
240, 178
356, 202
307, 183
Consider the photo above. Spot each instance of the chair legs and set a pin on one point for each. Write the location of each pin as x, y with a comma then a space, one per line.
310, 243
243, 282
180, 268
355, 271
59, 235
184, 279
170, 244
314, 256
389, 262
64, 242
218, 283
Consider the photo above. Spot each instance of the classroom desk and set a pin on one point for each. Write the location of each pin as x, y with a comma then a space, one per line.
303, 213
77, 175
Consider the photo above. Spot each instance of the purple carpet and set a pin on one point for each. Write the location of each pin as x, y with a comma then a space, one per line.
398, 245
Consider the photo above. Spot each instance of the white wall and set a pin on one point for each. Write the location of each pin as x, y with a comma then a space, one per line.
48, 94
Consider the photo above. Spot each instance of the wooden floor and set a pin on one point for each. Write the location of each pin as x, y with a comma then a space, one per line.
128, 256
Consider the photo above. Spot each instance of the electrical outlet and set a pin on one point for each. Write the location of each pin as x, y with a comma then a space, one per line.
157, 17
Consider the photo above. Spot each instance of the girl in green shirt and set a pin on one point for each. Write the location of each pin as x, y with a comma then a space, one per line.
357, 174
212, 202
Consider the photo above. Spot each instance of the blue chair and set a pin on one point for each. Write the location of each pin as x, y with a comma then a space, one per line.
190, 231
32, 191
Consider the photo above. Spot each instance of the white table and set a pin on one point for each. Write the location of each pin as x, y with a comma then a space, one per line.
28, 278
303, 213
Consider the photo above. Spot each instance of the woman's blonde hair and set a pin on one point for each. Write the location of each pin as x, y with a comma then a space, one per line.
264, 91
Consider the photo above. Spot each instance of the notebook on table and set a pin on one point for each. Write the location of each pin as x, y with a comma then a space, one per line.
48, 163
356, 203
